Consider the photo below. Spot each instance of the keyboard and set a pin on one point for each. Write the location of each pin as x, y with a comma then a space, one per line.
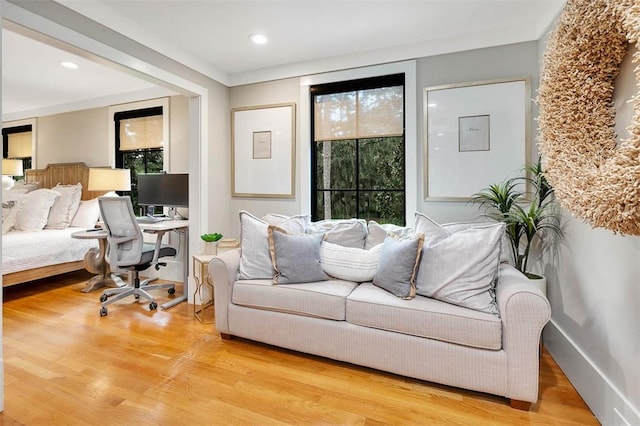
150, 219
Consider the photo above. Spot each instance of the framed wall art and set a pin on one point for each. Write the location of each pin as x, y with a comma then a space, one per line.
476, 134
263, 151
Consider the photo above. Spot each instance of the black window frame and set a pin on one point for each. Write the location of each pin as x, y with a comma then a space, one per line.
27, 162
120, 155
350, 86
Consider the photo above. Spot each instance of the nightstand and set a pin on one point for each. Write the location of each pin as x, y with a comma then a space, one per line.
204, 289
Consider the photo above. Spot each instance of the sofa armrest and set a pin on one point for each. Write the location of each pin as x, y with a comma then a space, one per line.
223, 271
524, 311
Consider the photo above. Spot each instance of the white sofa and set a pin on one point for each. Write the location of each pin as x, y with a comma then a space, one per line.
363, 324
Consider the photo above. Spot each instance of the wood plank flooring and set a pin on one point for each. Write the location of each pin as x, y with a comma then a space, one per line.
65, 365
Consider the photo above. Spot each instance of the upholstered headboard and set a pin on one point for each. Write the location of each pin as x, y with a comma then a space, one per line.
65, 174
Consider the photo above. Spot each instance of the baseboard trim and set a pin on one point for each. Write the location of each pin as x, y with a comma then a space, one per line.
600, 394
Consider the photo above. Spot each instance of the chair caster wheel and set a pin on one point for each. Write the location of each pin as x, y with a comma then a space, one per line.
103, 297
136, 296
103, 312
171, 291
153, 306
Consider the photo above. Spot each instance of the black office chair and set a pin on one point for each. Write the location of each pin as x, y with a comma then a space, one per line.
127, 252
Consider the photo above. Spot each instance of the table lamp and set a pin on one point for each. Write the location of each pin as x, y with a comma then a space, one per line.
10, 168
103, 179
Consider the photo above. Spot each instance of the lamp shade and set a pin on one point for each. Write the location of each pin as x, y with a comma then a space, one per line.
109, 179
12, 167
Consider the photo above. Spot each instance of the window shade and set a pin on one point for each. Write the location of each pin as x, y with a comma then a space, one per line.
359, 114
19, 145
141, 133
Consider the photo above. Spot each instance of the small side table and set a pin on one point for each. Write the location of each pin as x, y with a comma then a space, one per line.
204, 288
95, 262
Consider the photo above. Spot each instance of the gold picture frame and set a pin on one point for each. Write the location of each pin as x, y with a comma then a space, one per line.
263, 151
475, 134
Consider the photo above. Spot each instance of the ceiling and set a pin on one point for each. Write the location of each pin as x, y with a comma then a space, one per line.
305, 37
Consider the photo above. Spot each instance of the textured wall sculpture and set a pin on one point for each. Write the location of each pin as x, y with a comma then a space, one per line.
595, 179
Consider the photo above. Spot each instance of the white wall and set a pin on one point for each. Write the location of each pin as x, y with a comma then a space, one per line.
594, 290
74, 136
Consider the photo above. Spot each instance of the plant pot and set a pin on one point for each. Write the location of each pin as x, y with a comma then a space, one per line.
211, 248
538, 281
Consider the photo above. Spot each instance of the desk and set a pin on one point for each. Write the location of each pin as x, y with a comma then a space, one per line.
181, 227
95, 262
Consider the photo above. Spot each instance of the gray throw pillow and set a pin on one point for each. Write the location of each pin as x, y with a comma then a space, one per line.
398, 264
460, 268
295, 257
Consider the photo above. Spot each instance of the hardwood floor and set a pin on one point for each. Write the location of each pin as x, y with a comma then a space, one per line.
65, 365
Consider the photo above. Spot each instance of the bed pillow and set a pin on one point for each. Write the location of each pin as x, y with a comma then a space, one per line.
460, 268
349, 263
34, 209
398, 264
25, 186
87, 214
65, 206
10, 207
295, 257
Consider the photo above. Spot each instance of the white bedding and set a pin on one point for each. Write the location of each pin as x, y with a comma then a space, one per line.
28, 250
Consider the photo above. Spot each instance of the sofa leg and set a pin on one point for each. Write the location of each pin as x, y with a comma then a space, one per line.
226, 336
520, 405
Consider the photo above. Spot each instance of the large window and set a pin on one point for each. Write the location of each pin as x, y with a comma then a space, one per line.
358, 152
17, 144
139, 145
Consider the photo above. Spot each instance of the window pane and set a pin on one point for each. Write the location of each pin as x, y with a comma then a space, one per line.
382, 206
381, 163
341, 156
336, 204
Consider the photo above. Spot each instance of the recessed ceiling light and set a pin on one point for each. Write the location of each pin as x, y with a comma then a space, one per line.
258, 38
70, 65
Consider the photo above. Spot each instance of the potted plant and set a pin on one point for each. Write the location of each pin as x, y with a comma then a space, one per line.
528, 216
211, 242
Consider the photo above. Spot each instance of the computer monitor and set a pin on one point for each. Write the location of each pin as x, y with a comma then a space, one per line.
163, 189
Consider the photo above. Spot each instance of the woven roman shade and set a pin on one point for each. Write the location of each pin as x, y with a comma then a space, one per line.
359, 114
19, 145
141, 133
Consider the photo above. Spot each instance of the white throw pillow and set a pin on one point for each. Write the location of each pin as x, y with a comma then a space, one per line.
34, 209
87, 215
460, 268
65, 206
296, 224
11, 207
349, 263
255, 260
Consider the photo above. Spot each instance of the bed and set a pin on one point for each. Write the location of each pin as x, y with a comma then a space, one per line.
31, 255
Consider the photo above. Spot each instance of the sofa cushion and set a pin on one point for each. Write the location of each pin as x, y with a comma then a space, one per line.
370, 306
376, 233
255, 260
398, 264
344, 232
324, 299
295, 257
296, 224
349, 263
